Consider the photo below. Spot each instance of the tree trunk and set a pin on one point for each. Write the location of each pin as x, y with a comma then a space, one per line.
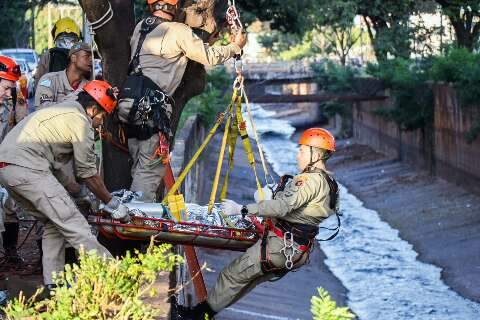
114, 47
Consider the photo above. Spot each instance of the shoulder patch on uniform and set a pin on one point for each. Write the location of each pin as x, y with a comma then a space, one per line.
45, 98
300, 180
46, 83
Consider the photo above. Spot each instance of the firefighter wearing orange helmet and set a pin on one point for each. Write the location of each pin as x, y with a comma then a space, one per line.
161, 49
12, 109
30, 158
292, 214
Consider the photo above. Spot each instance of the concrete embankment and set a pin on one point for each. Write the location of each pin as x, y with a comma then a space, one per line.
440, 220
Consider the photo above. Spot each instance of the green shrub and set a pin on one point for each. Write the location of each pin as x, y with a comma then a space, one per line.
97, 288
462, 68
413, 98
324, 308
213, 100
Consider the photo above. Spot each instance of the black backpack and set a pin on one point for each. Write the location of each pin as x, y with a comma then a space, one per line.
58, 59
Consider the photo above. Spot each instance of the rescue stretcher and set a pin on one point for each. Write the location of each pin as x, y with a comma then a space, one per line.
176, 232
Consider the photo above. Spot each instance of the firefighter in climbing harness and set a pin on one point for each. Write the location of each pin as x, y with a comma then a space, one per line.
292, 213
161, 49
65, 34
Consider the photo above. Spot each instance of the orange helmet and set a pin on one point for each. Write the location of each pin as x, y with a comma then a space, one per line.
9, 69
318, 138
172, 2
103, 93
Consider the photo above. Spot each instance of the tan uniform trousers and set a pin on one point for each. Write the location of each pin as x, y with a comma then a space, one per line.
145, 176
40, 193
244, 273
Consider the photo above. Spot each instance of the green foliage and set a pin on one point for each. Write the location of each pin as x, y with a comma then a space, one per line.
16, 19
335, 78
101, 289
413, 99
213, 100
462, 68
324, 308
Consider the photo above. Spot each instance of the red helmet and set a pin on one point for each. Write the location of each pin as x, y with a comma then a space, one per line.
318, 138
9, 69
103, 93
172, 2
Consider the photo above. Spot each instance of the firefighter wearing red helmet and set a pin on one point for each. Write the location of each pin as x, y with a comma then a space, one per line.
9, 75
292, 214
9, 227
32, 156
161, 49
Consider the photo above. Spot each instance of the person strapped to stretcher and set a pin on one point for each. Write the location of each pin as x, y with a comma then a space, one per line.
292, 213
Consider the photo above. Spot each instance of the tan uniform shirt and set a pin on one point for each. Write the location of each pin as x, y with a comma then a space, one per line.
6, 116
166, 50
305, 199
53, 88
51, 137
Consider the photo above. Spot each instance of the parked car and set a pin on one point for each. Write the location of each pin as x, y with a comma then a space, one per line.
29, 55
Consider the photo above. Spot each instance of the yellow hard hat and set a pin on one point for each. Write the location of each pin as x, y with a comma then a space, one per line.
65, 25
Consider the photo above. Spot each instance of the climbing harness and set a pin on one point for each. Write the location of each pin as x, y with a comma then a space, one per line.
92, 26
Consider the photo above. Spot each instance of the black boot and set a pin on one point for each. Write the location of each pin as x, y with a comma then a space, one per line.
71, 256
10, 240
202, 310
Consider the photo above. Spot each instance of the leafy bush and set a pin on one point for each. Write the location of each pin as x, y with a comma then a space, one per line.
462, 68
101, 289
335, 78
324, 308
413, 98
213, 100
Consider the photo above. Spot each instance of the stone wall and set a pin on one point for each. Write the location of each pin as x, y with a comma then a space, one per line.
186, 143
441, 148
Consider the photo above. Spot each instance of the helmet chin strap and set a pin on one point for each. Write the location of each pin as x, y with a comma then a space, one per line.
312, 163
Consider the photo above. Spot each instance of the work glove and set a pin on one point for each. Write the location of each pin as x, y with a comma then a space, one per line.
267, 193
117, 209
231, 208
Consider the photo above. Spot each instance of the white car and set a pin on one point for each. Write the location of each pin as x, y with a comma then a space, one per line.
29, 55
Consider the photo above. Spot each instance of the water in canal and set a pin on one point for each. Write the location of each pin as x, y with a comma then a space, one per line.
380, 270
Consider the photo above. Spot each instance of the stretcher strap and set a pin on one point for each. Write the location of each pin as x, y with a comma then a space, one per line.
194, 159
247, 146
232, 142
220, 156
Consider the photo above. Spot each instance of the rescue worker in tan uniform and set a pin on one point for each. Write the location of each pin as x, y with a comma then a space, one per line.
30, 158
10, 114
161, 49
65, 34
293, 216
54, 87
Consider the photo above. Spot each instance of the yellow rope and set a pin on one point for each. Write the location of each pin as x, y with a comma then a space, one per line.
221, 155
194, 159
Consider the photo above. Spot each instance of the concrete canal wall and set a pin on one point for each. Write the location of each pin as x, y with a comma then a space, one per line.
441, 148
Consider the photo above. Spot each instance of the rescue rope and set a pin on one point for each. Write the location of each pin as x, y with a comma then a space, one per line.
92, 26
256, 137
